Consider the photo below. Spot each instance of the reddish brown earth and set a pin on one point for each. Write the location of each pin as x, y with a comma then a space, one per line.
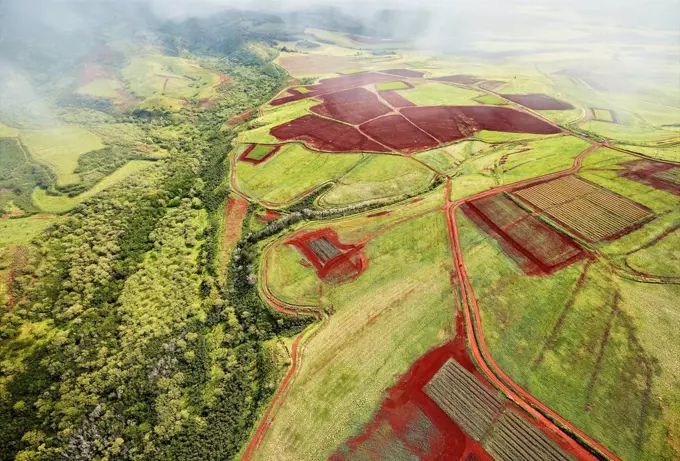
395, 99
355, 106
269, 215
329, 85
396, 132
327, 135
234, 214
462, 79
239, 118
537, 101
404, 73
646, 171
244, 156
536, 247
450, 123
380, 213
345, 263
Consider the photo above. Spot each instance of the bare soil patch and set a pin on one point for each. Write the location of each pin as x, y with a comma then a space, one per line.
537, 101
355, 106
396, 132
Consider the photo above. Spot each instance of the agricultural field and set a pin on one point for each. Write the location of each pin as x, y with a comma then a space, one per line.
242, 236
557, 224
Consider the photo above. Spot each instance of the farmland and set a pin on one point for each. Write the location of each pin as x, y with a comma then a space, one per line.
549, 226
277, 242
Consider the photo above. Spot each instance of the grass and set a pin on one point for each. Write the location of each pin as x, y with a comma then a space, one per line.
8, 131
603, 115
353, 71
166, 81
302, 90
523, 160
62, 203
663, 258
23, 230
335, 394
60, 148
260, 152
388, 86
378, 176
292, 172
521, 313
657, 152
500, 136
102, 88
18, 177
438, 94
446, 159
491, 99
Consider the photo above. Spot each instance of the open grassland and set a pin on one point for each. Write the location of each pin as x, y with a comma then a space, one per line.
8, 131
661, 259
513, 162
60, 148
291, 172
21, 231
378, 176
491, 99
446, 159
440, 94
168, 81
335, 394
496, 137
661, 152
569, 340
18, 177
103, 88
62, 203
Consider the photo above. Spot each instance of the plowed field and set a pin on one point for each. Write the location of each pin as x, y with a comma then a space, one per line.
354, 106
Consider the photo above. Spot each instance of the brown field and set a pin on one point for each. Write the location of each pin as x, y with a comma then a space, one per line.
536, 247
464, 398
588, 210
355, 106
513, 438
537, 101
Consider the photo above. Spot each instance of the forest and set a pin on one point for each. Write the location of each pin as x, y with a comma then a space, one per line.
125, 344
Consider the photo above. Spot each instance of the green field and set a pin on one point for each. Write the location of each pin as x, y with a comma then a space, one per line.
491, 99
389, 86
335, 394
60, 148
260, 152
62, 204
433, 94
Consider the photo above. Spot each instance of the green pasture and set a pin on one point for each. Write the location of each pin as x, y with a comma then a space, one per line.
440, 94
378, 176
405, 291
292, 172
260, 152
60, 148
102, 88
389, 86
447, 159
63, 203
491, 99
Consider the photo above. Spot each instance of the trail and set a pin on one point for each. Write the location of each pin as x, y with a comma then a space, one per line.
474, 330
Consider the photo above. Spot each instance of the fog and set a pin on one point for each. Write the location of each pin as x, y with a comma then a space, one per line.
38, 36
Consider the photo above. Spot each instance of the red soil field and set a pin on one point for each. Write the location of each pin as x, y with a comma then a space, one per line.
355, 106
234, 214
395, 99
244, 156
239, 118
449, 123
323, 134
396, 132
537, 101
380, 213
334, 262
462, 79
269, 216
536, 247
647, 171
404, 73
329, 85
